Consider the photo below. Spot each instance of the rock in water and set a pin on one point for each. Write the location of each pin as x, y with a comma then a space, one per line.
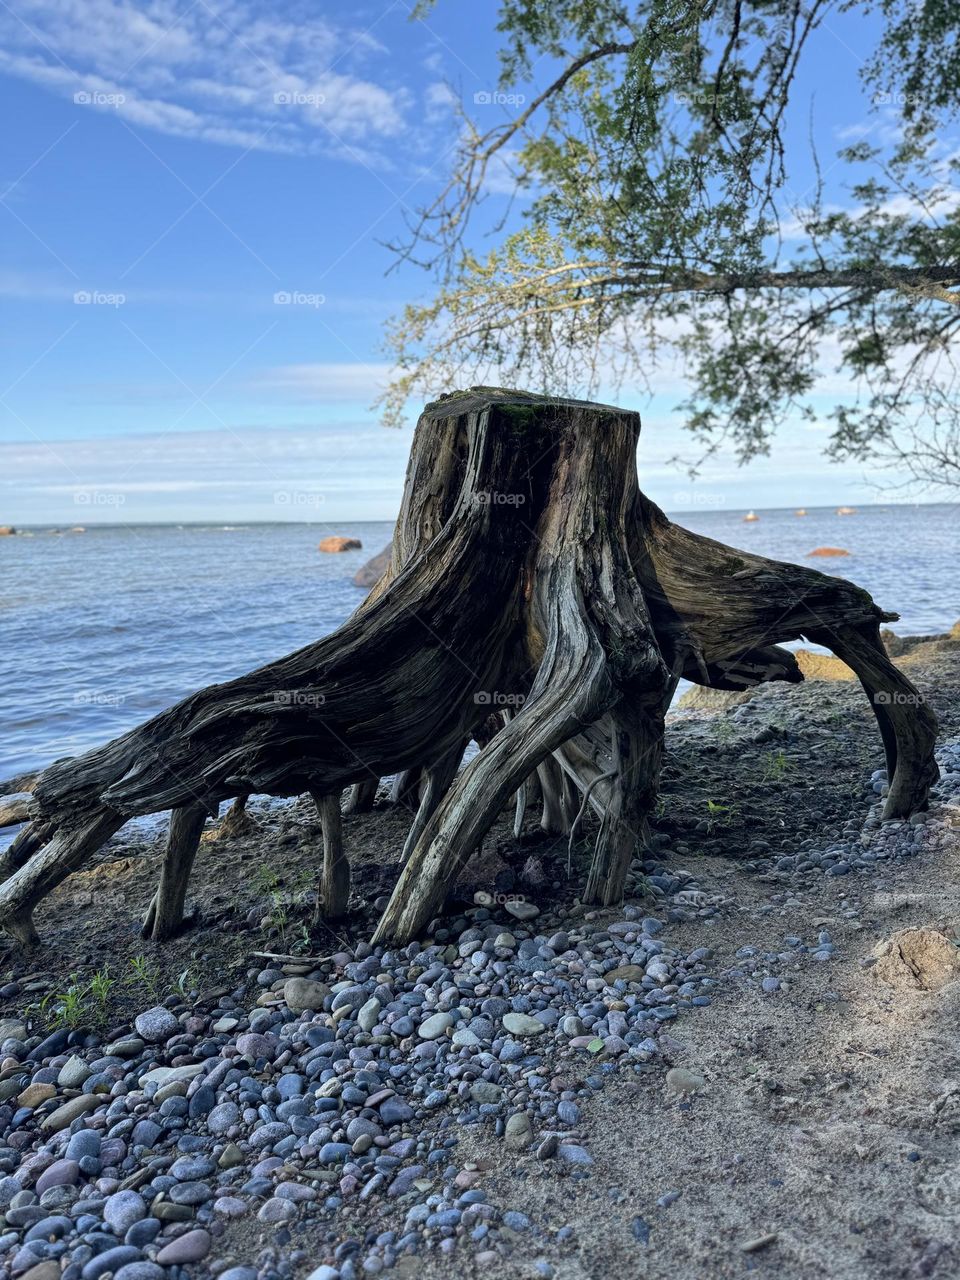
338, 542
370, 574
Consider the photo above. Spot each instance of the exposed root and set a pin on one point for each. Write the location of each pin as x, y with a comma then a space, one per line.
335, 877
361, 795
66, 851
164, 917
528, 571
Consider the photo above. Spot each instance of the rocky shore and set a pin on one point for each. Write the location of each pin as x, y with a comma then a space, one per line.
720, 1077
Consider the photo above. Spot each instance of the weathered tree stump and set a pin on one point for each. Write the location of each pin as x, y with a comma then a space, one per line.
528, 575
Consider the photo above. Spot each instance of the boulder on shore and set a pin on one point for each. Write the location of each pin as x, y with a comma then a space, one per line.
828, 551
339, 543
369, 575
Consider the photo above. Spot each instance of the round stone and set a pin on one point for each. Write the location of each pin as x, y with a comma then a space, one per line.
122, 1210
190, 1247
156, 1024
435, 1026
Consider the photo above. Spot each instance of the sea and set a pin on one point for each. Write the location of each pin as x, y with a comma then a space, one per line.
102, 629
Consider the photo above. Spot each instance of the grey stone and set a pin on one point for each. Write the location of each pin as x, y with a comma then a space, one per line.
192, 1246
122, 1210
303, 995
435, 1026
521, 1024
156, 1024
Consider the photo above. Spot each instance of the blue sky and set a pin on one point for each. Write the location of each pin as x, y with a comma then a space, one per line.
178, 164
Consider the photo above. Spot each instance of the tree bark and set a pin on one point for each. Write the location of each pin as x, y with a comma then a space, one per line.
164, 917
528, 574
335, 877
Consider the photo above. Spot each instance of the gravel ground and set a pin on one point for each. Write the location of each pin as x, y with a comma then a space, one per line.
719, 1078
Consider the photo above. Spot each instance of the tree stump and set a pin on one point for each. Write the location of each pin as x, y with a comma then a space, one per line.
530, 575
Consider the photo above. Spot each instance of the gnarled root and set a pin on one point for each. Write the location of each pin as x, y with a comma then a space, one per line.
70, 846
164, 917
528, 572
236, 822
335, 877
361, 795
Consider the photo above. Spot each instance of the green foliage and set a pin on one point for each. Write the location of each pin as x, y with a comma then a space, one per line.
82, 1003
719, 815
724, 729
652, 161
294, 935
144, 974
66, 1008
776, 766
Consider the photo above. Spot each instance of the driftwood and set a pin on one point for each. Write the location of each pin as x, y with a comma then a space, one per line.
530, 576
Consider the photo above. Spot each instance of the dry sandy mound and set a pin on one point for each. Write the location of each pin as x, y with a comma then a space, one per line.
918, 960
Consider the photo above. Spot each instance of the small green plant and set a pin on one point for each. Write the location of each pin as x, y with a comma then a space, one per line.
101, 985
65, 1008
186, 982
266, 879
776, 766
302, 941
719, 815
724, 729
144, 974
287, 894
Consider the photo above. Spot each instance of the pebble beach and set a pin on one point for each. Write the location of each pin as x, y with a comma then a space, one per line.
375, 1111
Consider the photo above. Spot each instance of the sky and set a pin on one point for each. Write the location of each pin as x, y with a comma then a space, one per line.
194, 278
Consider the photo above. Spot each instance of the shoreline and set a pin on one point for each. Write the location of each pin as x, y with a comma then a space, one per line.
746, 1054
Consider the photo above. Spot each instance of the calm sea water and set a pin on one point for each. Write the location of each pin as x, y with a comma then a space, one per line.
103, 629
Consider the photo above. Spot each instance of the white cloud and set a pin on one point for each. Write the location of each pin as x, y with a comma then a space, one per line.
353, 382
329, 471
240, 76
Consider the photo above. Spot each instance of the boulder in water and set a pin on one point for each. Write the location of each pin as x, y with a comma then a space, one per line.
339, 543
828, 551
7, 531
369, 575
